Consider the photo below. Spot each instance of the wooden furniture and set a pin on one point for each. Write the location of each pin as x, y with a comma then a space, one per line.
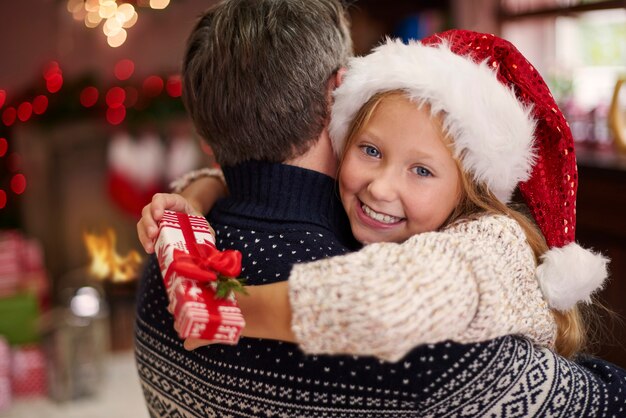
601, 225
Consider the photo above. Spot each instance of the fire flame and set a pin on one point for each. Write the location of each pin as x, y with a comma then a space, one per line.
106, 263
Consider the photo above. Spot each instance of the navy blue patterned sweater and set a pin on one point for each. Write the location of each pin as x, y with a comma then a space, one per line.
277, 215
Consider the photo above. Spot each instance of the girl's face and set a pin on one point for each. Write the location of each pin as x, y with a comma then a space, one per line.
398, 178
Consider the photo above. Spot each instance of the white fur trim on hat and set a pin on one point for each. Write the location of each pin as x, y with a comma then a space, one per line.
491, 129
571, 274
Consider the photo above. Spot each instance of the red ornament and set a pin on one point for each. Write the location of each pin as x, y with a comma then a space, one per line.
9, 115
40, 104
3, 97
89, 96
24, 111
116, 115
174, 86
3, 199
124, 69
18, 183
4, 146
152, 86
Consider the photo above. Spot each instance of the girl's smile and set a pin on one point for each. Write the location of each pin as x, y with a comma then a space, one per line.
376, 219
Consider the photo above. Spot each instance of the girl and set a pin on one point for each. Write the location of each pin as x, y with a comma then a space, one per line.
433, 139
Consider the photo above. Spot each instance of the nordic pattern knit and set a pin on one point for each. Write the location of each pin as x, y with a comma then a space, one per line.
260, 378
471, 282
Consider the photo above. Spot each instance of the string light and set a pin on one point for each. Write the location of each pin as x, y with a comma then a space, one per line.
116, 115
117, 17
24, 111
174, 86
124, 69
40, 104
9, 115
53, 76
18, 183
115, 97
152, 86
89, 96
4, 146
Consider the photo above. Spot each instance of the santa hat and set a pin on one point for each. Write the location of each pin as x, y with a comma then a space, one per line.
507, 131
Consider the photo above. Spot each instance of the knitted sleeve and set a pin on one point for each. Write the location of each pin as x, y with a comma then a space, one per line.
472, 282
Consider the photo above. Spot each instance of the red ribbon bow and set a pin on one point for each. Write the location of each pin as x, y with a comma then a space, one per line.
207, 263
204, 261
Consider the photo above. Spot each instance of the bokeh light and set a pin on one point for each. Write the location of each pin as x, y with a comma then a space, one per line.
124, 69
9, 115
4, 146
159, 4
89, 96
40, 104
24, 111
54, 83
174, 86
153, 86
116, 115
18, 183
118, 39
115, 97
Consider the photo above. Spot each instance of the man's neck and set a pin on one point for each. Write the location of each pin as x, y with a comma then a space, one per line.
320, 157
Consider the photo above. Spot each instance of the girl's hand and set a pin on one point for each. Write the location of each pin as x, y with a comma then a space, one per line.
193, 343
147, 228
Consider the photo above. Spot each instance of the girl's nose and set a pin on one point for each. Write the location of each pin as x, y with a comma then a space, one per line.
383, 186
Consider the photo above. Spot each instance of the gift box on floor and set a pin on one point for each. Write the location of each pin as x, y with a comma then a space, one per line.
11, 249
28, 371
198, 277
5, 375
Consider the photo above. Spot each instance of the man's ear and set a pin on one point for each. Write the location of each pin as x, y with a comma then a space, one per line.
334, 81
338, 77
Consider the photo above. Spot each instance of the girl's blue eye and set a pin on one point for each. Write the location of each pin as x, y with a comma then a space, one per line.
370, 151
422, 171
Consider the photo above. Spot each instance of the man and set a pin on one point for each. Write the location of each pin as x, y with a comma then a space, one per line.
258, 77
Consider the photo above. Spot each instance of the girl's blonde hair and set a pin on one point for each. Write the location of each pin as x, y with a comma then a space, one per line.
477, 200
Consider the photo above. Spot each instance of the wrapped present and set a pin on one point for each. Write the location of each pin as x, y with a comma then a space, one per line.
5, 375
11, 249
29, 376
199, 279
22, 267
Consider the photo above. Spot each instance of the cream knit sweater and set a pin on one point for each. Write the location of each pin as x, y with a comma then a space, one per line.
471, 282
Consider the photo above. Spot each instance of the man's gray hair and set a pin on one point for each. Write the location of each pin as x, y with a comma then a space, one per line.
255, 75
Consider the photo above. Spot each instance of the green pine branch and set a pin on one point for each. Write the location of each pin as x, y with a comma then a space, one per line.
226, 285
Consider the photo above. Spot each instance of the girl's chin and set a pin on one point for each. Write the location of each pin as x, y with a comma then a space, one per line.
372, 237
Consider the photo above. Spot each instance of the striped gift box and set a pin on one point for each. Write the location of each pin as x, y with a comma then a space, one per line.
197, 312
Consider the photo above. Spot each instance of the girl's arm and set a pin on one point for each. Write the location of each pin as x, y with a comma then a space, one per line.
470, 283
381, 301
